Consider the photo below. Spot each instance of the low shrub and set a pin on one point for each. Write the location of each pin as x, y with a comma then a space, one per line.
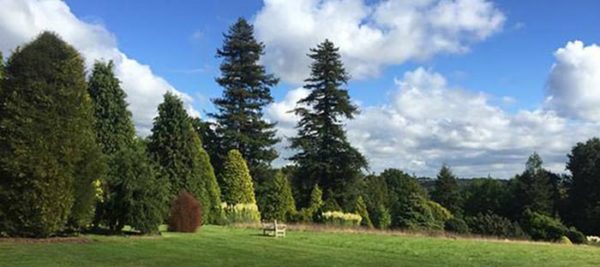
565, 240
339, 218
456, 225
576, 236
241, 213
494, 225
542, 227
186, 214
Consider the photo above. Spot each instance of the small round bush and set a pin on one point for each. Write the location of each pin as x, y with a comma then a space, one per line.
565, 240
186, 214
456, 225
576, 236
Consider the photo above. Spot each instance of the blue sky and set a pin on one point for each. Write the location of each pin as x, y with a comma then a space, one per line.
179, 42
476, 84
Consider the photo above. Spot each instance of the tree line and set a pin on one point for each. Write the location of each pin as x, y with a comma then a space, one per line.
71, 161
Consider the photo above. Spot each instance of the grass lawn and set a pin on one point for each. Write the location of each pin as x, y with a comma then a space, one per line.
227, 246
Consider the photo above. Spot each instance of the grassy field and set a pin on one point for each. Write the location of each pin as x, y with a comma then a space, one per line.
227, 246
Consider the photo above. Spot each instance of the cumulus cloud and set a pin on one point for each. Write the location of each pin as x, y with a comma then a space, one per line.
574, 82
370, 36
22, 20
427, 123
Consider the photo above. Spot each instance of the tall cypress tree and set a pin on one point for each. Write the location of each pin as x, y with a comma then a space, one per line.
176, 147
446, 191
325, 157
114, 126
237, 182
533, 188
48, 153
246, 90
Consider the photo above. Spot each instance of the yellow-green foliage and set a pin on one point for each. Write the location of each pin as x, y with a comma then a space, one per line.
237, 185
341, 219
241, 213
361, 209
565, 240
439, 213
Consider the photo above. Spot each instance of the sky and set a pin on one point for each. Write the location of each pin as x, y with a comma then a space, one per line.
475, 84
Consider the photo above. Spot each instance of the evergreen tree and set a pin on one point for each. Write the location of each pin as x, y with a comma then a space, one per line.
177, 149
48, 155
533, 188
114, 126
237, 184
584, 187
137, 196
277, 201
325, 157
247, 89
1, 68
361, 209
446, 191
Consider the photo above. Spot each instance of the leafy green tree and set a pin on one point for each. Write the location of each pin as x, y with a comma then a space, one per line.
325, 157
485, 196
247, 90
533, 188
48, 155
237, 187
584, 187
383, 218
361, 209
137, 196
277, 201
114, 126
446, 191
176, 148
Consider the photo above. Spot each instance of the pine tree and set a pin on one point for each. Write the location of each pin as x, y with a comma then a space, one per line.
533, 188
237, 187
447, 192
325, 157
361, 209
247, 89
48, 155
177, 149
114, 126
277, 201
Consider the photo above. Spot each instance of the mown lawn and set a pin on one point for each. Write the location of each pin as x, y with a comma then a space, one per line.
227, 246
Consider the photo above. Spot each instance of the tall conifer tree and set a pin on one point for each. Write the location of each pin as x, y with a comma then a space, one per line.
446, 191
533, 188
246, 91
325, 157
176, 147
48, 156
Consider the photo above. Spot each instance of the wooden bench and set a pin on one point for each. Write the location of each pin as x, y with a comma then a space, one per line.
275, 229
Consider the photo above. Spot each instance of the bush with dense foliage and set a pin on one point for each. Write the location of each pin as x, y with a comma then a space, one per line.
241, 213
236, 183
339, 218
494, 225
576, 236
383, 218
361, 209
186, 214
456, 225
542, 227
49, 156
136, 193
276, 201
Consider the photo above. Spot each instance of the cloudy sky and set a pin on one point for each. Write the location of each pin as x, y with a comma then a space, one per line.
476, 84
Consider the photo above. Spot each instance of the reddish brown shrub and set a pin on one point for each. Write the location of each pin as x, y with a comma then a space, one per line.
186, 214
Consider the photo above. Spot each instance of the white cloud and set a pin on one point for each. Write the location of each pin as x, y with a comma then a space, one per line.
427, 123
574, 82
22, 20
370, 36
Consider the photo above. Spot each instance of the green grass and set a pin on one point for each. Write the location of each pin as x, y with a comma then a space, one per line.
227, 246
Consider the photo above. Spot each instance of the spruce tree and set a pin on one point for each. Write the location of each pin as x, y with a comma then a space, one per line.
246, 91
325, 157
114, 126
237, 184
177, 149
277, 201
533, 188
446, 191
48, 155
